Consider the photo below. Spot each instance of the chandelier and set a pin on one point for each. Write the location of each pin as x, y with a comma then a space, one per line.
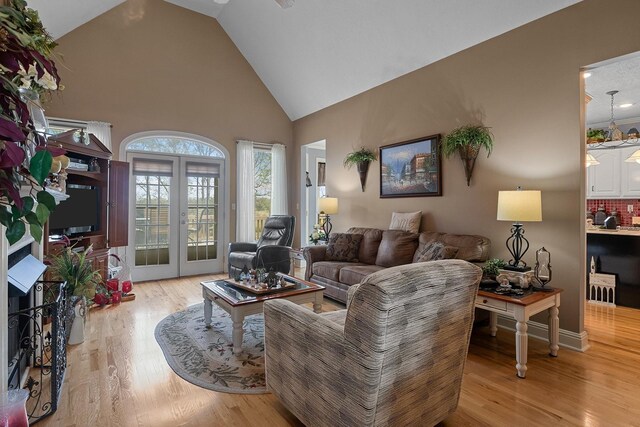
614, 134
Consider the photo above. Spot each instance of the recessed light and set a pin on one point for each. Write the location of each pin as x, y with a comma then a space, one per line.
626, 105
586, 75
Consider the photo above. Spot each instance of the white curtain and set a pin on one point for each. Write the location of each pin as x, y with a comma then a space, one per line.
245, 220
102, 131
279, 180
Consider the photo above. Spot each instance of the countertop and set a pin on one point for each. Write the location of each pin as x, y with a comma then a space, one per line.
614, 232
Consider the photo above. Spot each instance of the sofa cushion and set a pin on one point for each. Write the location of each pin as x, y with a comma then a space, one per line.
371, 238
432, 251
353, 274
470, 248
409, 221
330, 269
396, 248
343, 247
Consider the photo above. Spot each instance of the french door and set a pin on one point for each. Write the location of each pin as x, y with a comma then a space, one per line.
178, 216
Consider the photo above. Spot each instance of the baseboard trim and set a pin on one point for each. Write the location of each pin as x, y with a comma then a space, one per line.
568, 339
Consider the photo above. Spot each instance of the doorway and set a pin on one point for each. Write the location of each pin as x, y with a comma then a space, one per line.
313, 165
178, 194
612, 120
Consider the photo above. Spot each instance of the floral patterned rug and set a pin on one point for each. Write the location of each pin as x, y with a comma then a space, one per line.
204, 357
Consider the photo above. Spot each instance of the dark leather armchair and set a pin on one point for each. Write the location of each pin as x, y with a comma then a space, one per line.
271, 251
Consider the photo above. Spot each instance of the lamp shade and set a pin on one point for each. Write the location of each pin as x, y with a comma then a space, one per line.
634, 157
520, 205
328, 205
592, 161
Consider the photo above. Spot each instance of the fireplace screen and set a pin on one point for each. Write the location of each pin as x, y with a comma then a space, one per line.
37, 347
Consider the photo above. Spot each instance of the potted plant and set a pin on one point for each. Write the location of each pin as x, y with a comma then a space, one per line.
490, 269
27, 72
74, 268
361, 158
467, 141
595, 135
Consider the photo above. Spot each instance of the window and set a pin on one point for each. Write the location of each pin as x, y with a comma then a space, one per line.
262, 184
174, 145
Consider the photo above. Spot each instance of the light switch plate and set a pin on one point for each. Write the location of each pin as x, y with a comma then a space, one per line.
630, 208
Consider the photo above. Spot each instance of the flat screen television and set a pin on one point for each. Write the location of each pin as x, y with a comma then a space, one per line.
80, 213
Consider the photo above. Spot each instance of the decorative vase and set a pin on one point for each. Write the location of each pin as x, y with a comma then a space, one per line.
13, 412
70, 313
469, 154
76, 335
363, 171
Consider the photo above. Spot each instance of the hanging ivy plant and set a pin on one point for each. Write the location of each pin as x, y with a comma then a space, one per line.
26, 66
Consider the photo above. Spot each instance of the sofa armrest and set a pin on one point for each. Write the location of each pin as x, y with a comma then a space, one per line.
242, 247
351, 293
313, 254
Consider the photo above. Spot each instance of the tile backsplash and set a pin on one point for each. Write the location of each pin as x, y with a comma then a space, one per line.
619, 205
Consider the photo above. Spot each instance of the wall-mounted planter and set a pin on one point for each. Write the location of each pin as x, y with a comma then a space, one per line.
361, 158
467, 141
363, 171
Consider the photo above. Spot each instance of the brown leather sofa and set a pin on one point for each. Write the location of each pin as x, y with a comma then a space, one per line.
380, 249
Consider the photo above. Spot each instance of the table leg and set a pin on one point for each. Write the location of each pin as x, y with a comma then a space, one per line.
317, 304
207, 312
493, 323
237, 332
554, 331
521, 346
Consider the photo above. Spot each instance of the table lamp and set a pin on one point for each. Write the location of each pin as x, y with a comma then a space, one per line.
519, 206
328, 206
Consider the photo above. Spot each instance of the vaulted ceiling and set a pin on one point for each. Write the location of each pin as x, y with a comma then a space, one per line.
320, 52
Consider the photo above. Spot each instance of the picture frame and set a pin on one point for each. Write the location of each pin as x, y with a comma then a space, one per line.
411, 168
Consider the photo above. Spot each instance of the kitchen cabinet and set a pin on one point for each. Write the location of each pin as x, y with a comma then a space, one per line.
617, 253
604, 180
630, 174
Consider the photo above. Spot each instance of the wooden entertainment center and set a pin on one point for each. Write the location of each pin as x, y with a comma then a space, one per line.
110, 179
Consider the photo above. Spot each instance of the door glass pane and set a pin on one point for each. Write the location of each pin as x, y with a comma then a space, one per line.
152, 220
202, 210
262, 181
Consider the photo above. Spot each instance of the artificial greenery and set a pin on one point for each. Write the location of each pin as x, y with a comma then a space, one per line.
363, 155
491, 267
26, 65
74, 268
596, 134
476, 136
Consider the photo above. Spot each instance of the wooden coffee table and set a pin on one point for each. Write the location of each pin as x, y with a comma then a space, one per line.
240, 303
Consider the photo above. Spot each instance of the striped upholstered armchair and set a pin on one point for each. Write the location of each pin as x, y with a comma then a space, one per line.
395, 356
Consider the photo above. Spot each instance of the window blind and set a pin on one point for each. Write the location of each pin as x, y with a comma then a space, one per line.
152, 167
206, 170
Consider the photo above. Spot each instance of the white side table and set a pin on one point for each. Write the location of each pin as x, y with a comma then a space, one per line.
521, 309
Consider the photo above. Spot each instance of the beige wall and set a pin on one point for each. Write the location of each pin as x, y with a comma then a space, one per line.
149, 65
526, 86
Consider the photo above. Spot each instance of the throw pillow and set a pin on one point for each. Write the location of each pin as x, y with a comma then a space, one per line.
409, 221
343, 247
396, 248
433, 251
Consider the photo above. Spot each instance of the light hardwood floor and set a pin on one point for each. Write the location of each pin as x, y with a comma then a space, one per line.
119, 377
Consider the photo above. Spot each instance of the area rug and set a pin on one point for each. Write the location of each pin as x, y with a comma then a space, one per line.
204, 357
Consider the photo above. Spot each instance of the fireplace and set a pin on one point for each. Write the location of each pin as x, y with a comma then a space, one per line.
36, 343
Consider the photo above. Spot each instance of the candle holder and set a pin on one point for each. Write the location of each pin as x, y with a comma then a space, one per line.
543, 268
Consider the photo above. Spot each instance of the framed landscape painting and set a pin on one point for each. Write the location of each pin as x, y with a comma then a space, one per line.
411, 168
